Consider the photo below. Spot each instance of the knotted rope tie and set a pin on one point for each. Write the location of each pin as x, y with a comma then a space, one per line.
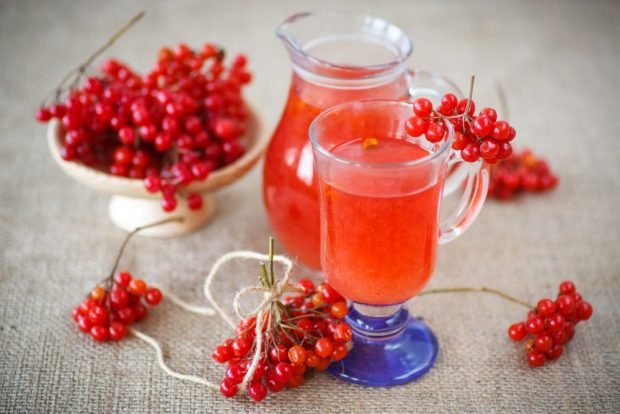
271, 294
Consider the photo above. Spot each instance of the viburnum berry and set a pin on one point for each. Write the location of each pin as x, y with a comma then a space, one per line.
116, 302
194, 201
241, 346
519, 172
551, 325
545, 307
189, 106
297, 337
422, 107
535, 358
476, 137
257, 391
416, 126
153, 296
228, 389
283, 372
118, 331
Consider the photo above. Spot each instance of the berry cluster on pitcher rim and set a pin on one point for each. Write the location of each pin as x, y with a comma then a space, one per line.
475, 136
551, 325
301, 333
170, 127
114, 304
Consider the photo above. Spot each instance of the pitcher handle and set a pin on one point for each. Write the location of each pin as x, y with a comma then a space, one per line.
472, 199
431, 85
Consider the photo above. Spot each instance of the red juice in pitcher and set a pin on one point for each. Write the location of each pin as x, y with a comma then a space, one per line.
334, 60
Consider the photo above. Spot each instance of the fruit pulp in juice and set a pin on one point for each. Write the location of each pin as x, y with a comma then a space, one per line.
380, 243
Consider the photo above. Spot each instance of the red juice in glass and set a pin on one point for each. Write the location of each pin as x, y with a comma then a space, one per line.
379, 198
380, 241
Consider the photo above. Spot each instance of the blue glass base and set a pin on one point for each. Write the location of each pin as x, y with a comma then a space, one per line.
387, 350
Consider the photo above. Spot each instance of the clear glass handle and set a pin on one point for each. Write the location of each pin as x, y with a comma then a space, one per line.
475, 192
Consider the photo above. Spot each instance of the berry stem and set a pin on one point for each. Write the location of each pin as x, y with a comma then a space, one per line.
84, 66
503, 101
471, 93
271, 251
132, 233
477, 289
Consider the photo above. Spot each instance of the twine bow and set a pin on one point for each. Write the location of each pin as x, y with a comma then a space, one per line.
271, 287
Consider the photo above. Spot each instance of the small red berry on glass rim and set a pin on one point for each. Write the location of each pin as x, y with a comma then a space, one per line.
416, 126
422, 107
435, 132
449, 102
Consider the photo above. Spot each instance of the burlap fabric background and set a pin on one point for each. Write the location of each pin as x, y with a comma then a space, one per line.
558, 62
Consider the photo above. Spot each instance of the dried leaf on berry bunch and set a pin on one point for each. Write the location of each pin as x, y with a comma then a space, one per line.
521, 172
171, 127
117, 301
475, 136
551, 325
286, 338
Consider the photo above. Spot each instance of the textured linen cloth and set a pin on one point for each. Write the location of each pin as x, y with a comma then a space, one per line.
558, 62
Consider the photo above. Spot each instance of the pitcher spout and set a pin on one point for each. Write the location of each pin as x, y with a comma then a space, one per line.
338, 44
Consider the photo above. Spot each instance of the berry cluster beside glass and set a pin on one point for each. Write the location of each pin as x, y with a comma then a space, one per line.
114, 304
551, 325
482, 136
301, 333
522, 172
170, 127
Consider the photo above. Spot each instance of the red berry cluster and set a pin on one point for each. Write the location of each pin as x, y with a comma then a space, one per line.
482, 136
105, 313
520, 173
303, 332
170, 127
551, 325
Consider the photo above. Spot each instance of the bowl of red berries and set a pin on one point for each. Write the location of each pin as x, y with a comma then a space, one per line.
159, 143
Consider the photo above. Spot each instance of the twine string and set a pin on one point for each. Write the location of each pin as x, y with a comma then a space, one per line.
271, 294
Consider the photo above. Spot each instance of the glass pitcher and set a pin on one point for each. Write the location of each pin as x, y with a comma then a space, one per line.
336, 57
